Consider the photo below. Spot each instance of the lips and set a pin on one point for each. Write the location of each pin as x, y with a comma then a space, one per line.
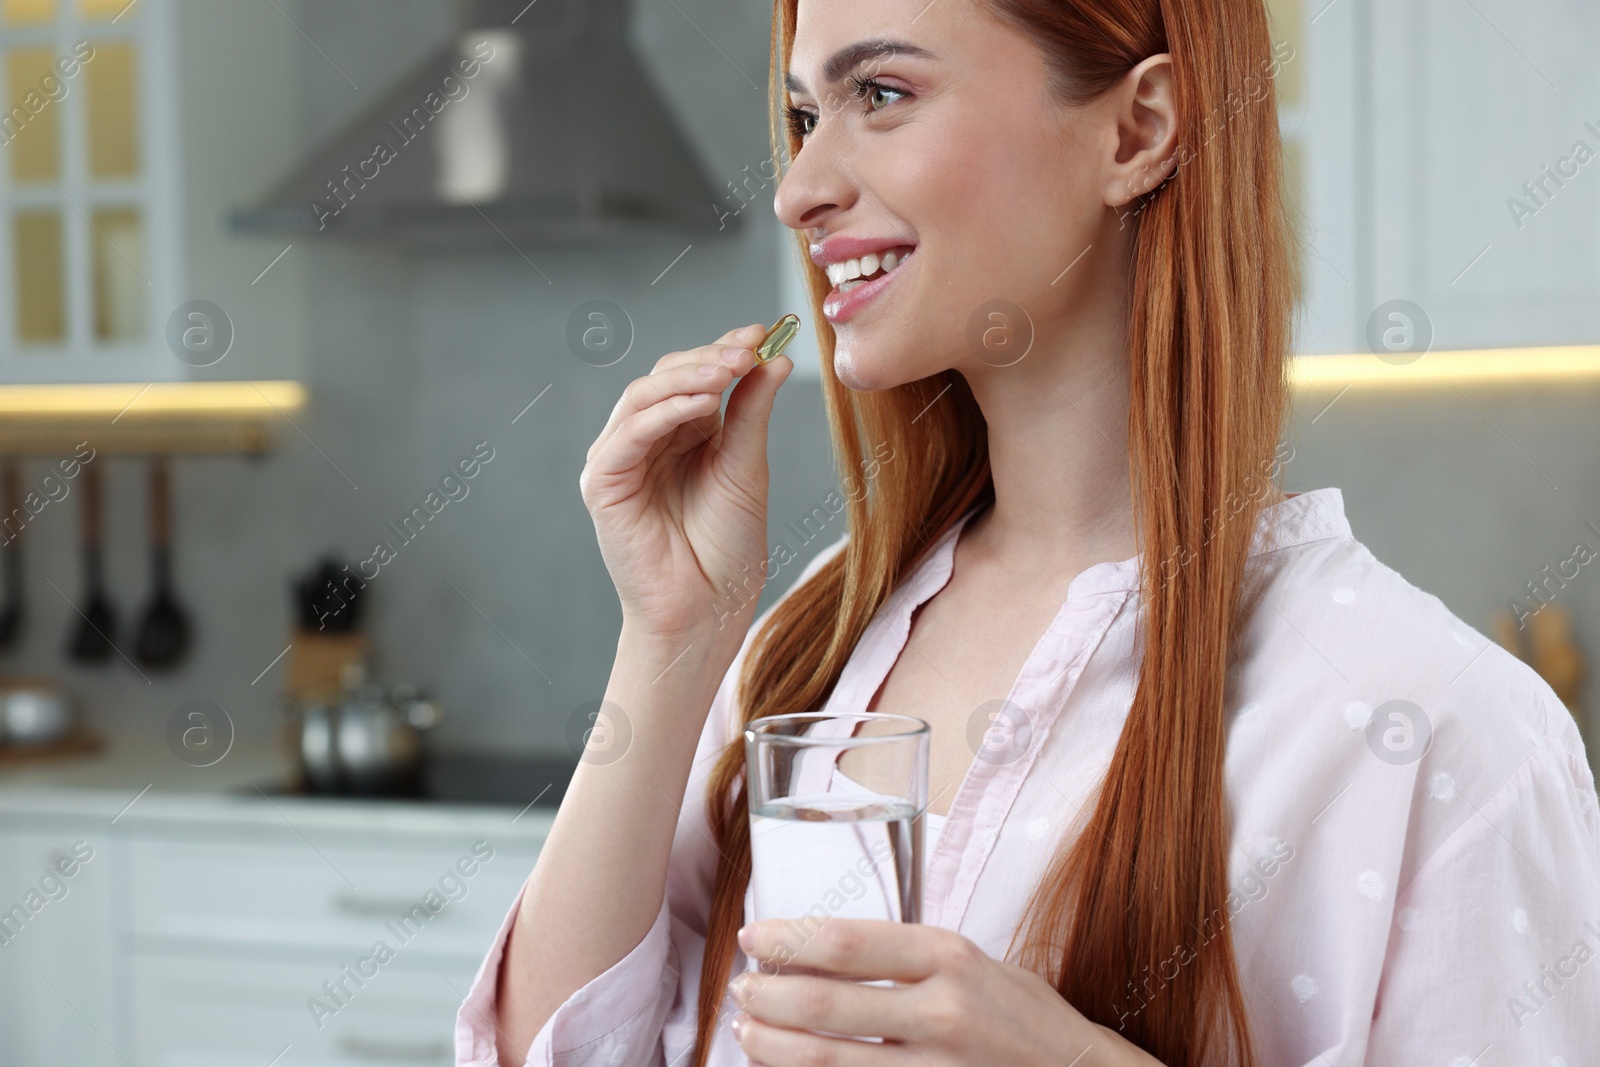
839, 248
841, 305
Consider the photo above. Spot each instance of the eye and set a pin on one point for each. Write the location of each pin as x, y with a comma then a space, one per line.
802, 122
870, 90
797, 119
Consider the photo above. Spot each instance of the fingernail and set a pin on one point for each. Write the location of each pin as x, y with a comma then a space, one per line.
738, 1025
707, 370
732, 355
747, 940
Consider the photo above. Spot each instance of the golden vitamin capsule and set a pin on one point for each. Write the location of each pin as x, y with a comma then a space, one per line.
781, 334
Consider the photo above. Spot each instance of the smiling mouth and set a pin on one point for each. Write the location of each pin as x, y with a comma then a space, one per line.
849, 273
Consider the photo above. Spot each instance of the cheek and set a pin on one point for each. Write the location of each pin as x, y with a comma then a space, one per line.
1000, 195
1030, 211
945, 183
1000, 202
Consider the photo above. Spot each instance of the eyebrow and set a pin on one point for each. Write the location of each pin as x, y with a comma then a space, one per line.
848, 58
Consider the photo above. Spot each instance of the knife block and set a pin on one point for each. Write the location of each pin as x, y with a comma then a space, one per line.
317, 662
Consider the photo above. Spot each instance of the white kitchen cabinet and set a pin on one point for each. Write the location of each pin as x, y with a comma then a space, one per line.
130, 130
215, 1009
283, 894
242, 944
90, 196
1469, 103
1320, 121
212, 929
57, 988
1422, 123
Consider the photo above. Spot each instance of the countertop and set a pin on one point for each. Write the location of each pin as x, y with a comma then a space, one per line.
134, 783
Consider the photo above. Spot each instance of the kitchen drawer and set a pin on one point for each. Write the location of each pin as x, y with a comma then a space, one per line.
215, 1011
333, 896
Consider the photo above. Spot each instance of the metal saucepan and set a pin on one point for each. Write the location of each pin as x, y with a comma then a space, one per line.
365, 741
33, 711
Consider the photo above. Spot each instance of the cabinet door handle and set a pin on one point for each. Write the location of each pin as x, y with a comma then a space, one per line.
367, 1048
371, 907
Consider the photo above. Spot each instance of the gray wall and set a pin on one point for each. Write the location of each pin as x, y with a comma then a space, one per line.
412, 361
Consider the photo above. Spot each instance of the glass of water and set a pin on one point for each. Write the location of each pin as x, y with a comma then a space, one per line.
836, 805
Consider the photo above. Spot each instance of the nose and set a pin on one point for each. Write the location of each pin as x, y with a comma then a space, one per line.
815, 187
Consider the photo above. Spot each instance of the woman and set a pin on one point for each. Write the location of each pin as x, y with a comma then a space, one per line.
1256, 799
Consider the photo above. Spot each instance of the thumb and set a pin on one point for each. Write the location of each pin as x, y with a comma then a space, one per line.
744, 423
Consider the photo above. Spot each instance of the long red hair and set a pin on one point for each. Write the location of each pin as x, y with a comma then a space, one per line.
1214, 278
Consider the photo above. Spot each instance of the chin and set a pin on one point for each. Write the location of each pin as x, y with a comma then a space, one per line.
868, 367
864, 375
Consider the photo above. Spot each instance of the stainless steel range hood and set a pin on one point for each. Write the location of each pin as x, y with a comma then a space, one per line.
535, 124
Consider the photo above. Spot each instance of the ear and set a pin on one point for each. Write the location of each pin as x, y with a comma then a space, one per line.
1144, 116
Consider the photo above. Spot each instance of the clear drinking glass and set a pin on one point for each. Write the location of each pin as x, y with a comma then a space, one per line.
836, 806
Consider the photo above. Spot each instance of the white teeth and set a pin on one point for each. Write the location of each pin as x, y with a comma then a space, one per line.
855, 270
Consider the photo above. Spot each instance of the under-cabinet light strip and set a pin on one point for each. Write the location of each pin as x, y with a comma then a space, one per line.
1440, 369
245, 398
153, 399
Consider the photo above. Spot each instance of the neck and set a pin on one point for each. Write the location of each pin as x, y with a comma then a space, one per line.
1058, 452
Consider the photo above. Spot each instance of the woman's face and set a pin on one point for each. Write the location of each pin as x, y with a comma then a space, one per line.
932, 128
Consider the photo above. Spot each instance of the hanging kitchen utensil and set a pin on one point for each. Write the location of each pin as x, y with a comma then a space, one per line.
163, 637
96, 625
10, 556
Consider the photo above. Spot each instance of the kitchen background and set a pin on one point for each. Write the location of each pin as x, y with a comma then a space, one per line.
1433, 150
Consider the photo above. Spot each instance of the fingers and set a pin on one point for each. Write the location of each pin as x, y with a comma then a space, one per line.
680, 373
684, 379
676, 372
767, 1044
634, 437
687, 387
746, 337
905, 952
831, 1004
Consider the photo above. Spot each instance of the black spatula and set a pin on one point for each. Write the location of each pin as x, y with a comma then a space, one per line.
163, 638
96, 625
